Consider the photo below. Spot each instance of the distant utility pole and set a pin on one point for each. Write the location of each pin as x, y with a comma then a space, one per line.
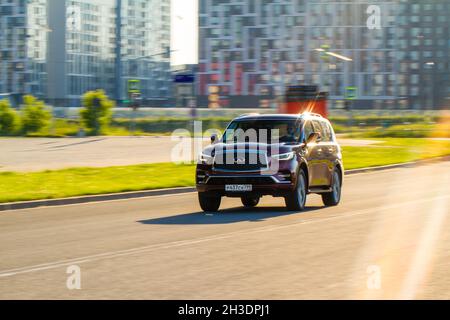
118, 52
430, 66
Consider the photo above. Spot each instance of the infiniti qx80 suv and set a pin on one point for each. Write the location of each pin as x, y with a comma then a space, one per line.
287, 156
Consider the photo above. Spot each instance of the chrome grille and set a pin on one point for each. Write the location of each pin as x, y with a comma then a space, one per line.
239, 160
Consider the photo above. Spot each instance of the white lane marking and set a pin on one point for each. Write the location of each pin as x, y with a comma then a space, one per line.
181, 243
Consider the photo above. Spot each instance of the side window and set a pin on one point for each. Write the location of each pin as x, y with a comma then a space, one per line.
327, 135
318, 128
324, 129
330, 129
309, 129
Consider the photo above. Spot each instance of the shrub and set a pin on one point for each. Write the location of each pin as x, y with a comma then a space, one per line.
8, 119
34, 115
96, 113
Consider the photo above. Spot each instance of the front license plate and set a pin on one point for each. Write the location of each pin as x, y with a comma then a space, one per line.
239, 188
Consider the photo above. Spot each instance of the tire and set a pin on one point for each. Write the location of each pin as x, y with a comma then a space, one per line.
209, 203
296, 201
250, 202
333, 198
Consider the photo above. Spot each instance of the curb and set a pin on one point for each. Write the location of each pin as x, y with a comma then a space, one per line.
173, 191
94, 198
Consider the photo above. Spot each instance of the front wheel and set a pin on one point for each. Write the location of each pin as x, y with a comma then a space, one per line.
209, 203
250, 202
333, 198
296, 201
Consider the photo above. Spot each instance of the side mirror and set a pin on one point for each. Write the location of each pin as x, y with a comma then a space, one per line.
313, 138
214, 138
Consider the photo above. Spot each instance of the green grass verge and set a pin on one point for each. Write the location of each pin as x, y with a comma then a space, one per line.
440, 130
90, 181
15, 186
394, 151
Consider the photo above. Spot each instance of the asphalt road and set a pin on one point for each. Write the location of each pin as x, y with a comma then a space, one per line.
389, 239
35, 154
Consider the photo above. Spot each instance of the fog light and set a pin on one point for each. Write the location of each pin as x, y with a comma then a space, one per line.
285, 176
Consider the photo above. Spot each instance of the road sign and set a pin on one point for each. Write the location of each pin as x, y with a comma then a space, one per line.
184, 78
351, 93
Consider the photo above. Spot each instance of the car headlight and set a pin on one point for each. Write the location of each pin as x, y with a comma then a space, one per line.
284, 157
205, 159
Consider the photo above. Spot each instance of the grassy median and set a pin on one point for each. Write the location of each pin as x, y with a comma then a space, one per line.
394, 151
90, 181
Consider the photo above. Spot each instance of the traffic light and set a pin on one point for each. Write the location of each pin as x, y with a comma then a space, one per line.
134, 86
351, 93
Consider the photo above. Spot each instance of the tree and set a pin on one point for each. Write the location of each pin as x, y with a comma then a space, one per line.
8, 118
96, 113
34, 115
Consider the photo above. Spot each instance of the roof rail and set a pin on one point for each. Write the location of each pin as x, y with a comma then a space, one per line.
313, 114
248, 115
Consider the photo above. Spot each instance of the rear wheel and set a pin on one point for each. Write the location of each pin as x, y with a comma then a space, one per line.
209, 203
296, 201
334, 197
250, 202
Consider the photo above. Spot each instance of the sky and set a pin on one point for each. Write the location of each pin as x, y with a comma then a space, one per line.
184, 31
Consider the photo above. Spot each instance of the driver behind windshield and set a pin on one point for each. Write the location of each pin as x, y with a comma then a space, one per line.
292, 134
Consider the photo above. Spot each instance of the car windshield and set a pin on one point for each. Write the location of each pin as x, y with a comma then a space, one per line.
263, 131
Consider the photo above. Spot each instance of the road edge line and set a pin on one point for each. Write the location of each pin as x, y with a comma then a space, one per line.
172, 191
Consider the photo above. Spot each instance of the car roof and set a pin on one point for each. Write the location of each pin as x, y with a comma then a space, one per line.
302, 116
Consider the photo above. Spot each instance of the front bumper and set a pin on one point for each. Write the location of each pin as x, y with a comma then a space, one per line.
277, 185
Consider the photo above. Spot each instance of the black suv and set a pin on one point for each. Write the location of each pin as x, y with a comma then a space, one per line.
286, 156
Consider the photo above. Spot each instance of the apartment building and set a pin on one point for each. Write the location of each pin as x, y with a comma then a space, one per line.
23, 47
59, 49
392, 53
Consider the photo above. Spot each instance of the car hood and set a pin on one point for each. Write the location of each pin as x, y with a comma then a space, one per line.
271, 149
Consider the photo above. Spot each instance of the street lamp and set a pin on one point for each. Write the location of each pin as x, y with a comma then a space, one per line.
324, 50
166, 53
339, 56
348, 102
430, 65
